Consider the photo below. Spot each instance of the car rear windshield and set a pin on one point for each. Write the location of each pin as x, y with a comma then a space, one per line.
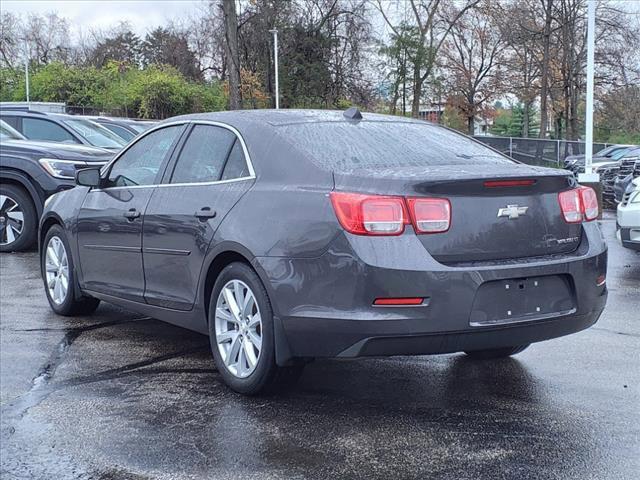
342, 146
97, 135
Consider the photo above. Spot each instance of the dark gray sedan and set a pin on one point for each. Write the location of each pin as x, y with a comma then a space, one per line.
291, 235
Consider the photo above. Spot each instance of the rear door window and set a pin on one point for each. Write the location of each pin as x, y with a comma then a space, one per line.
236, 166
40, 129
204, 154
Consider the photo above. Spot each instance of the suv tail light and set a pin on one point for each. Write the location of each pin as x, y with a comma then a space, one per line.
430, 215
370, 214
579, 204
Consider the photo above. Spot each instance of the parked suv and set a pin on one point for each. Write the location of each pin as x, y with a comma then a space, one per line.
628, 169
29, 173
628, 220
57, 127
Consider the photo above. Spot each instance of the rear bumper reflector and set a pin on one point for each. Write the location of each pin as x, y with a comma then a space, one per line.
398, 301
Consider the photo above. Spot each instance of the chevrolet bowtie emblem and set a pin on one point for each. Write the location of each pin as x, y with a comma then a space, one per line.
512, 211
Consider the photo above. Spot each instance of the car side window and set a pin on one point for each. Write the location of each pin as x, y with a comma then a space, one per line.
140, 164
11, 120
39, 129
203, 156
236, 166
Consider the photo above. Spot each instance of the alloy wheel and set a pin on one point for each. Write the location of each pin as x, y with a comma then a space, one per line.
11, 220
57, 270
238, 328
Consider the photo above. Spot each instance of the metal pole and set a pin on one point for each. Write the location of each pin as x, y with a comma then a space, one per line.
26, 70
591, 26
275, 58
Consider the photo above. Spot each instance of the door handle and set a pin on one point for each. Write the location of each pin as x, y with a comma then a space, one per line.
205, 213
131, 214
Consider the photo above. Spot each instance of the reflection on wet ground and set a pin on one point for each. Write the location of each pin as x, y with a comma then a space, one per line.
118, 396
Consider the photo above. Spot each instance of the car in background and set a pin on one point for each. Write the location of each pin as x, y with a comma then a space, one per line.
628, 218
7, 132
125, 128
599, 162
576, 161
391, 236
62, 128
628, 169
30, 172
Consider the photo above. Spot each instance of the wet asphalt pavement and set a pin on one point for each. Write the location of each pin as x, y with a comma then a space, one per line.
119, 396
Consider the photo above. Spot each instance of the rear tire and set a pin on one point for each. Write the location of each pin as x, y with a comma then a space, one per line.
57, 271
495, 352
243, 343
18, 219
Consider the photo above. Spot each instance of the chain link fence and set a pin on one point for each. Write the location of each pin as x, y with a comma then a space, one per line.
535, 151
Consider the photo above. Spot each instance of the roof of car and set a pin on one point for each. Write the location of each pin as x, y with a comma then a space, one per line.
288, 117
35, 113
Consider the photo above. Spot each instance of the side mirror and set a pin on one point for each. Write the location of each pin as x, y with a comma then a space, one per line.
88, 177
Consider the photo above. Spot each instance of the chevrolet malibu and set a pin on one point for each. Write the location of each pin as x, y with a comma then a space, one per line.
292, 235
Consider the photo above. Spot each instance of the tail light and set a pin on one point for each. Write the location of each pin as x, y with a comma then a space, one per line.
579, 204
589, 203
430, 215
387, 215
370, 214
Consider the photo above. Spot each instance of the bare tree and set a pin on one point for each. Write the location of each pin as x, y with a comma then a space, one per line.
231, 46
433, 22
473, 60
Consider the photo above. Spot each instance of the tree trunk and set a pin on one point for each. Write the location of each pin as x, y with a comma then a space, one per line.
470, 124
417, 92
231, 47
525, 118
544, 86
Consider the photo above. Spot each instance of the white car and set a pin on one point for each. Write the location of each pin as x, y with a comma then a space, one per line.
629, 216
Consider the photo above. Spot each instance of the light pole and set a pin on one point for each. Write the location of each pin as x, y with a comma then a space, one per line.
275, 58
588, 175
26, 69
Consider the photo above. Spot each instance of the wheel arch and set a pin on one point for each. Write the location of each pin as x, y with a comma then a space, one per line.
22, 180
224, 254
46, 223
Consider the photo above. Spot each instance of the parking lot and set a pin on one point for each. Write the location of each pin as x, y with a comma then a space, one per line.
118, 396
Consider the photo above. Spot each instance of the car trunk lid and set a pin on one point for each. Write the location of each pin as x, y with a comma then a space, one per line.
489, 221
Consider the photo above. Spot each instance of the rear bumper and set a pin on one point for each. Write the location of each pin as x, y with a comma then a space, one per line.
487, 338
324, 305
629, 237
628, 226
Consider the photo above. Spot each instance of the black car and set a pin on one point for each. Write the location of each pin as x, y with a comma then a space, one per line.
58, 127
290, 235
29, 173
125, 128
628, 169
575, 163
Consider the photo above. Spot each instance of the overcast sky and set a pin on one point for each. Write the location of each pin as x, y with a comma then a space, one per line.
143, 15
84, 15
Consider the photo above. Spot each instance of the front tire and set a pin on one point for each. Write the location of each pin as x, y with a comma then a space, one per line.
493, 353
59, 276
18, 219
241, 333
